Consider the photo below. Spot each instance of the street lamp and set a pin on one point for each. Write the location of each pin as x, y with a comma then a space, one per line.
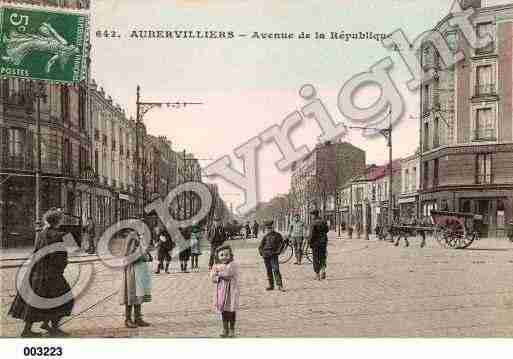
38, 94
387, 133
142, 109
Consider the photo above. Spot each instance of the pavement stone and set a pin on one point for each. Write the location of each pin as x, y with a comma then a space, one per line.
374, 289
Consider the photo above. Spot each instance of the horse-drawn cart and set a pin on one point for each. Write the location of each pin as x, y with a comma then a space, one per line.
455, 230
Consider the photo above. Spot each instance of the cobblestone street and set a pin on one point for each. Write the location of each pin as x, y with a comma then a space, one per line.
373, 290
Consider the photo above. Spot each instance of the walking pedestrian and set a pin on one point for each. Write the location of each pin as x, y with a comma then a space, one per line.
248, 230
185, 249
216, 236
226, 300
195, 247
46, 279
510, 231
164, 246
89, 231
297, 233
256, 227
319, 243
270, 248
136, 282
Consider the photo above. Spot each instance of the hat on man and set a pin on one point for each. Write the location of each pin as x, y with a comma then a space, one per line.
315, 212
269, 223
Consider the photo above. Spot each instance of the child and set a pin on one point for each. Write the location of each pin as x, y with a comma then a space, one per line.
165, 245
195, 247
185, 250
226, 300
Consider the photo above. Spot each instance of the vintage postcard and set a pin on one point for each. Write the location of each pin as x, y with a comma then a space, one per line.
255, 169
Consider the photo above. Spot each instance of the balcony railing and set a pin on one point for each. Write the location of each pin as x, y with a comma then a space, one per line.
483, 134
17, 162
485, 90
490, 48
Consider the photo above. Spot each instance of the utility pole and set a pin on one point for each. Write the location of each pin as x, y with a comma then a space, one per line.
39, 93
387, 133
142, 109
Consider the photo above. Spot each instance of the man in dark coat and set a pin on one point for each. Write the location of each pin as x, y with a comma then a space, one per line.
319, 243
255, 229
216, 236
270, 249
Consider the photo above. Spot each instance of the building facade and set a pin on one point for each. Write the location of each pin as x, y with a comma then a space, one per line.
65, 148
316, 178
466, 136
408, 199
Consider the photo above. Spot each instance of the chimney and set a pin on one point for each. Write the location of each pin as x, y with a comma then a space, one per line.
466, 4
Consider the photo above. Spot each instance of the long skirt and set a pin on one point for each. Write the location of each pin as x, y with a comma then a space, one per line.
48, 287
136, 284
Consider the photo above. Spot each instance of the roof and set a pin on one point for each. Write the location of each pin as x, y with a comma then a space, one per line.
378, 172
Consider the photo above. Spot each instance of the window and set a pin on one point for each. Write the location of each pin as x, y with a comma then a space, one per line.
485, 124
16, 142
436, 136
452, 41
96, 160
484, 80
482, 31
65, 102
436, 164
484, 169
426, 136
68, 157
426, 175
82, 98
426, 106
406, 181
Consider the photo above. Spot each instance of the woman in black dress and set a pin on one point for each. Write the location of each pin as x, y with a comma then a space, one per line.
46, 278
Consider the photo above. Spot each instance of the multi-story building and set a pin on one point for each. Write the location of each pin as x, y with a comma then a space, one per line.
113, 159
65, 150
315, 178
466, 137
408, 199
364, 199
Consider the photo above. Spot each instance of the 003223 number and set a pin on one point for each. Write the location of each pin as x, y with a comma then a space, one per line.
42, 351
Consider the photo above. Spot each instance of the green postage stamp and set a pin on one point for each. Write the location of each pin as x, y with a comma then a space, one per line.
40, 44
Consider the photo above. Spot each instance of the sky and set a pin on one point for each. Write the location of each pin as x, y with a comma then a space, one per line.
247, 84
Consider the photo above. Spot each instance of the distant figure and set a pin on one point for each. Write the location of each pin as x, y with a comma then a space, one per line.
319, 244
90, 235
510, 231
195, 247
216, 236
248, 230
255, 229
269, 249
164, 246
185, 249
297, 235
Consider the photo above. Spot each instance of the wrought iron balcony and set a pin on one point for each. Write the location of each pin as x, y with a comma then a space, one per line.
490, 48
485, 134
485, 90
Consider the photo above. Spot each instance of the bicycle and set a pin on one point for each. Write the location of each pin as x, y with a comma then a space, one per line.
287, 251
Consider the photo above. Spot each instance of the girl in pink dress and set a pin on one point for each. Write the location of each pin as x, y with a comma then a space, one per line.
226, 300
